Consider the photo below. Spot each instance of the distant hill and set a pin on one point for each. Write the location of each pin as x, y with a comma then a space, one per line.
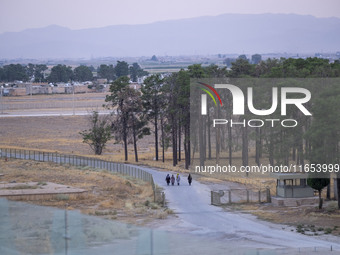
228, 33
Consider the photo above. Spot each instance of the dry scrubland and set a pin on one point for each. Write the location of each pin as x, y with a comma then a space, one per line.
61, 134
109, 195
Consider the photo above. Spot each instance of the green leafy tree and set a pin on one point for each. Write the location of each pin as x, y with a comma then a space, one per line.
30, 70
60, 73
153, 102
317, 183
2, 74
118, 101
83, 73
136, 71
39, 72
14, 72
106, 72
241, 67
154, 58
324, 133
137, 122
98, 134
183, 101
121, 69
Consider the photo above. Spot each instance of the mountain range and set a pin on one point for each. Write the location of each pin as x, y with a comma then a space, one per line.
227, 33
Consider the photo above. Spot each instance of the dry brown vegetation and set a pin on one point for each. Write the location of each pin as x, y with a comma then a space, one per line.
109, 195
305, 219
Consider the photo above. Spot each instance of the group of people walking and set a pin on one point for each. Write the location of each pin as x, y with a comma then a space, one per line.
172, 179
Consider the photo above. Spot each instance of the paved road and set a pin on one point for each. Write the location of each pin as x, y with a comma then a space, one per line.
46, 113
197, 216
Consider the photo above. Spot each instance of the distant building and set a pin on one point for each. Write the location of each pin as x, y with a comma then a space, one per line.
102, 80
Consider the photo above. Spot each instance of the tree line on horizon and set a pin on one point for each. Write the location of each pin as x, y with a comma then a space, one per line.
63, 73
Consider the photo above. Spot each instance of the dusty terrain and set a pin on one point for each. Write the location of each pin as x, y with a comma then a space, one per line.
109, 195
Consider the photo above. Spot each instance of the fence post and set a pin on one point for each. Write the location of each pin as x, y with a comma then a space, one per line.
229, 196
163, 199
259, 196
247, 196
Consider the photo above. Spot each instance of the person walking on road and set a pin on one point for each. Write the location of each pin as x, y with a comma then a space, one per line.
167, 179
189, 179
178, 179
172, 180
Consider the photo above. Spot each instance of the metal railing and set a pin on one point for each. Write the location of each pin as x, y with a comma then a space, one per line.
124, 169
223, 197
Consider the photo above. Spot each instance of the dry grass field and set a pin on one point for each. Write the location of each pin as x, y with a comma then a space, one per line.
61, 134
109, 195
304, 219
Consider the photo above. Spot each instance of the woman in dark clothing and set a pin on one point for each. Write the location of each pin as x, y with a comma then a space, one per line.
167, 179
189, 179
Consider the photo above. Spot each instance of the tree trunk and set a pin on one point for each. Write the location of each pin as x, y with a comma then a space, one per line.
223, 139
329, 190
135, 141
156, 136
218, 139
338, 188
204, 125
271, 148
98, 150
245, 147
260, 138
230, 145
257, 147
209, 138
294, 153
200, 140
125, 137
179, 140
187, 145
320, 200
174, 141
301, 155
163, 145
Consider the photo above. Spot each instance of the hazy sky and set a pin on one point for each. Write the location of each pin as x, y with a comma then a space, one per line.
17, 15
